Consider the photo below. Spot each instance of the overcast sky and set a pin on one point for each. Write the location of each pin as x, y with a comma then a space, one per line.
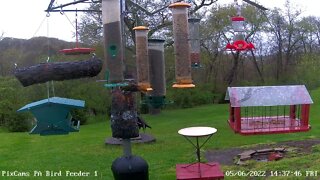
21, 18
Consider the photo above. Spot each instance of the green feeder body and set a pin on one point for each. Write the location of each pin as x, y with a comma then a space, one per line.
156, 101
53, 115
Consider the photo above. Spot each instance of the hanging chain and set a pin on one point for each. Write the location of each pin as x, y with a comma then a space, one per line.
238, 7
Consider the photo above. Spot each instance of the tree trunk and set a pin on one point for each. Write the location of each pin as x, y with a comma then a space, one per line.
58, 71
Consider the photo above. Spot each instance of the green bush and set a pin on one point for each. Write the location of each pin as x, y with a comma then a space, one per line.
18, 122
187, 98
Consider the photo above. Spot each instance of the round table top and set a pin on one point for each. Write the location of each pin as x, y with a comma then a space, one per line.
197, 131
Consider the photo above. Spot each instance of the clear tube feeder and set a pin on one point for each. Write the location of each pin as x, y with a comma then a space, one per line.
194, 39
157, 75
112, 42
142, 60
181, 45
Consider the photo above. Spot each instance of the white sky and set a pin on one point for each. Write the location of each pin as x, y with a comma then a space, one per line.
21, 18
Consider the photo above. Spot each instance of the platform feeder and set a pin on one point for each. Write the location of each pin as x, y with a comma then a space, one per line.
53, 115
269, 109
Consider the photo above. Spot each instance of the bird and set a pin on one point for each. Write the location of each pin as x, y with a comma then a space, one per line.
15, 65
142, 123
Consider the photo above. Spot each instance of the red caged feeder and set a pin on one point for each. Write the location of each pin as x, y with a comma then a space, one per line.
269, 109
239, 43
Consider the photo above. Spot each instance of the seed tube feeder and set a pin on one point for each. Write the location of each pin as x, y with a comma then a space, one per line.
112, 42
194, 42
239, 43
157, 75
269, 109
181, 45
142, 61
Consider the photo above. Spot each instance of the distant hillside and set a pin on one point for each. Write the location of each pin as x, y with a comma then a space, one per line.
28, 52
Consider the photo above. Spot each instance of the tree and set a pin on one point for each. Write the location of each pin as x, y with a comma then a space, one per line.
154, 14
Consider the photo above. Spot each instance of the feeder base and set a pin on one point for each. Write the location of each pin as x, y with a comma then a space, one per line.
183, 85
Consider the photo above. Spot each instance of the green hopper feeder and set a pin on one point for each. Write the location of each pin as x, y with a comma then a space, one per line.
53, 115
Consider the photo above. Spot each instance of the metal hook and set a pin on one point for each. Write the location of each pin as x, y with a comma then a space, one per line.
48, 14
61, 11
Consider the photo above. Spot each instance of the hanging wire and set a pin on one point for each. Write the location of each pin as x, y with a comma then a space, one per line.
48, 61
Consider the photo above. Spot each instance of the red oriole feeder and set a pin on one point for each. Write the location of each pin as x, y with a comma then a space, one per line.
239, 43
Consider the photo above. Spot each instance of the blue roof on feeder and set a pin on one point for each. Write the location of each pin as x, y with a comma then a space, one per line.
268, 96
54, 100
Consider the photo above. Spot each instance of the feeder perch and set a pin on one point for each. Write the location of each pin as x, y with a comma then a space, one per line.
53, 115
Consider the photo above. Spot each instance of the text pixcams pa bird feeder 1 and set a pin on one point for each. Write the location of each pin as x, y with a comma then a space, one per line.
142, 60
181, 45
239, 43
112, 42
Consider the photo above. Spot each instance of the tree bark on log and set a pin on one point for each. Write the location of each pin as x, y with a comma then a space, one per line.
124, 118
58, 71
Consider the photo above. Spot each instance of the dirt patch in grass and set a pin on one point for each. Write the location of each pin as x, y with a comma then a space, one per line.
226, 156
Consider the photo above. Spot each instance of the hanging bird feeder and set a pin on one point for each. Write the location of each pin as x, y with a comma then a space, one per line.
53, 115
142, 61
181, 45
194, 39
77, 50
239, 42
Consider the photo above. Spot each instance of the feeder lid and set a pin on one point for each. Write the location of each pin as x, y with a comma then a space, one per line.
179, 4
72, 103
77, 51
141, 28
268, 96
237, 18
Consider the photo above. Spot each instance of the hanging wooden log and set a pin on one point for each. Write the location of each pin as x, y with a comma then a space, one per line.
58, 71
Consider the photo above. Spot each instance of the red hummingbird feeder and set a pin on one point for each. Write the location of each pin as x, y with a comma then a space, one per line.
239, 42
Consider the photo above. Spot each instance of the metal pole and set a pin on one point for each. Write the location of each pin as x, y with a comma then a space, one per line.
126, 147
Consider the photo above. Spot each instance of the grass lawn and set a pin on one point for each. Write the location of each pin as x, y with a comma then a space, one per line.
85, 151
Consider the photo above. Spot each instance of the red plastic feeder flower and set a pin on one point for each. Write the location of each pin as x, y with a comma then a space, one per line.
77, 51
240, 45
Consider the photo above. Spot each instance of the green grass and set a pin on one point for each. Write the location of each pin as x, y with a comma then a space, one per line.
86, 151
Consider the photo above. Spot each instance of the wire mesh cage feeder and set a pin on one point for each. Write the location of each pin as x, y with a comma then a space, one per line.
239, 42
269, 109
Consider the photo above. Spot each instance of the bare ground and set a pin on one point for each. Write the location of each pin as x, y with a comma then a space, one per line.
226, 156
